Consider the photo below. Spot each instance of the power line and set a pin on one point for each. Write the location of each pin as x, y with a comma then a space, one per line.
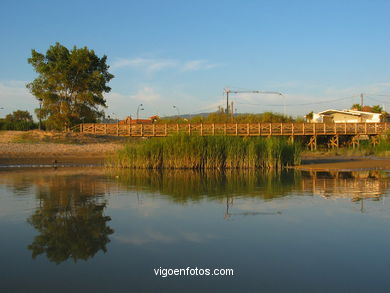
302, 104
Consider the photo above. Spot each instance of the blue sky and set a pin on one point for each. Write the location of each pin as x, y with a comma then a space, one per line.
319, 54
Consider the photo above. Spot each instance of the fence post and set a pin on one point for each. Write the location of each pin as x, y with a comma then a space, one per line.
236, 129
166, 129
189, 129
247, 129
142, 129
213, 129
201, 129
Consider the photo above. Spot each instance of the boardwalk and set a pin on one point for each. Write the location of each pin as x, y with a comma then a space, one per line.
234, 129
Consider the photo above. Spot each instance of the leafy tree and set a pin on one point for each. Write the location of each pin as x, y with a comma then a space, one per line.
70, 85
376, 109
19, 115
309, 116
356, 107
18, 120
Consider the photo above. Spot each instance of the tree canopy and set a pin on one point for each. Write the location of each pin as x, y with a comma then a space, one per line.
70, 85
18, 120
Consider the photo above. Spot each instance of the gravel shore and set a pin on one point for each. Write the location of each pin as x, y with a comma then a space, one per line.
53, 153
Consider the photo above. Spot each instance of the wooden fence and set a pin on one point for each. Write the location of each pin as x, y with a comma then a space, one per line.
236, 129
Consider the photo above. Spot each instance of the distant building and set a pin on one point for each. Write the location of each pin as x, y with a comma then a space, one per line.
129, 120
346, 116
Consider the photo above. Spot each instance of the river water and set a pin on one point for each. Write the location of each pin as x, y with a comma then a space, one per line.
95, 230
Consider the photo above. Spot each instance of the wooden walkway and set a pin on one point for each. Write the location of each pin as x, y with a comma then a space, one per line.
234, 129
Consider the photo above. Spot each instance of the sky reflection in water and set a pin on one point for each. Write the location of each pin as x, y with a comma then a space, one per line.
90, 230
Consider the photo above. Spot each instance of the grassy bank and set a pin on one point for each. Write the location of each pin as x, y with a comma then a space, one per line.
365, 148
211, 152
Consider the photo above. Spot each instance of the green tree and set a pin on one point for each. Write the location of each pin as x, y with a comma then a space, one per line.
70, 85
19, 115
376, 109
356, 107
18, 120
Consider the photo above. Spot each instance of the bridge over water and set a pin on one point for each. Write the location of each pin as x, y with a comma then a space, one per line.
353, 131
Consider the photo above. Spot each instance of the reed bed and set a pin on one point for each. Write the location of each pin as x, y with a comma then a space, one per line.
208, 152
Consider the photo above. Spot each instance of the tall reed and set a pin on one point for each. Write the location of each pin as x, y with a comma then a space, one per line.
208, 152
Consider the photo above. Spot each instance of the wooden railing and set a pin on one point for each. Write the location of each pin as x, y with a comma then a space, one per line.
237, 129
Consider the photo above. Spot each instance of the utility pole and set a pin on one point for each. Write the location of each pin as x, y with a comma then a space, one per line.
227, 100
361, 101
232, 112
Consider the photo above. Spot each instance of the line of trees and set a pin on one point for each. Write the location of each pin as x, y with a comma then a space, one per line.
18, 120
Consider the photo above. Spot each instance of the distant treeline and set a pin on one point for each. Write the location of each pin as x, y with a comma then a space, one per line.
219, 117
18, 120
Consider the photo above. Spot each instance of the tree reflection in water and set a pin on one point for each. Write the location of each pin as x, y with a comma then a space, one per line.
70, 219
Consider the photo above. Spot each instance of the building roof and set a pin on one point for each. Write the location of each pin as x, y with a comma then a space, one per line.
347, 112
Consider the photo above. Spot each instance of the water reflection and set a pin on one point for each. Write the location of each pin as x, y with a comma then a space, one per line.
182, 186
70, 213
353, 185
70, 216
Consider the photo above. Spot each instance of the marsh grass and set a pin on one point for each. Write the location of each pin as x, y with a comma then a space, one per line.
365, 148
208, 152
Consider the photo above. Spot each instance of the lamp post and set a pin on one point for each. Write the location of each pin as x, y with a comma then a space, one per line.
138, 109
177, 109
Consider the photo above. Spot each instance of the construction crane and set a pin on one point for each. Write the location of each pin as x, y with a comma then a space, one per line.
229, 91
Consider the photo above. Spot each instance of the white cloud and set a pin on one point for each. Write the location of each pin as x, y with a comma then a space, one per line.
146, 94
195, 65
149, 65
154, 65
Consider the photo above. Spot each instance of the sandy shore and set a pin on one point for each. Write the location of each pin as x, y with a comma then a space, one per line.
344, 163
96, 153
50, 153
46, 148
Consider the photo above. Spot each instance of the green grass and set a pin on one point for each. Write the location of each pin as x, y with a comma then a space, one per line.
365, 148
208, 152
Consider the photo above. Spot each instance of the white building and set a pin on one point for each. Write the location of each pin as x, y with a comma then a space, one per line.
345, 116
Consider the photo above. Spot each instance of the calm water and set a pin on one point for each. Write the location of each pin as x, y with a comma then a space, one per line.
86, 230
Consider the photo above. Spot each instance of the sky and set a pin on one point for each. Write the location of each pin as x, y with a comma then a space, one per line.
178, 56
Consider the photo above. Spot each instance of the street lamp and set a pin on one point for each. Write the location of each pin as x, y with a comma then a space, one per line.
177, 109
138, 109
